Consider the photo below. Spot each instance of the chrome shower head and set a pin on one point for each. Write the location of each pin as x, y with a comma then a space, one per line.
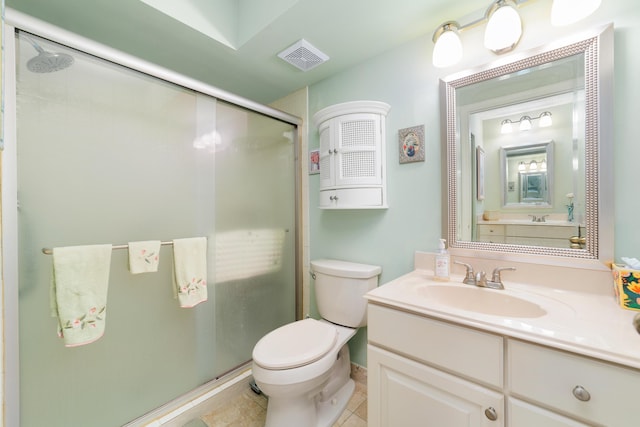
47, 62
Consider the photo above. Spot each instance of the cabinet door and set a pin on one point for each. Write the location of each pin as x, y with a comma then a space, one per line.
358, 160
326, 156
405, 393
522, 414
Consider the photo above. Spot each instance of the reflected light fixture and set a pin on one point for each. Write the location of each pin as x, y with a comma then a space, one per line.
533, 166
506, 126
448, 47
525, 122
504, 26
566, 12
543, 165
545, 120
521, 167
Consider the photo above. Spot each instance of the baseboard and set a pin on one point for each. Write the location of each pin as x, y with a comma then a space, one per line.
197, 402
359, 373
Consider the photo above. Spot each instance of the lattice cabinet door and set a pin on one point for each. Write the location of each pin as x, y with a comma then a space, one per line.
358, 145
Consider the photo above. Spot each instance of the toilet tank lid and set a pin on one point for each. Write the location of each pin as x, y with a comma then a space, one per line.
339, 268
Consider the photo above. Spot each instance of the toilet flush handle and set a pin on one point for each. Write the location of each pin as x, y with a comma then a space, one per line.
313, 274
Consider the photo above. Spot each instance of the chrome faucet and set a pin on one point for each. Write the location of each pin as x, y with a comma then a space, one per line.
469, 278
541, 218
480, 278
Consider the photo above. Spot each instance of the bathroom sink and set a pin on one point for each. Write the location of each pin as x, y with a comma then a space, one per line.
483, 300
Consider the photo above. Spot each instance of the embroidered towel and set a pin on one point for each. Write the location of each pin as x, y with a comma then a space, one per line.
190, 270
79, 292
144, 256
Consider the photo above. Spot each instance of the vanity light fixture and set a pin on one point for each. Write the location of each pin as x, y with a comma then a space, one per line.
504, 26
533, 165
521, 167
566, 12
525, 122
448, 47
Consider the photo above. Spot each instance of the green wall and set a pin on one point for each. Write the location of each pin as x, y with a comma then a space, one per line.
405, 79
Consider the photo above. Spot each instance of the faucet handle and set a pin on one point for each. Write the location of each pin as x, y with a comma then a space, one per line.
481, 279
495, 277
470, 278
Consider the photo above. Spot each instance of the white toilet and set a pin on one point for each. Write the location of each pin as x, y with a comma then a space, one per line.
304, 366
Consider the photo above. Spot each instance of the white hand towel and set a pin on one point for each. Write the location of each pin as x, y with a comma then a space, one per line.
79, 292
144, 256
190, 270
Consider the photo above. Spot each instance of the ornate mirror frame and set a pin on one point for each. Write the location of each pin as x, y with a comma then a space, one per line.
597, 47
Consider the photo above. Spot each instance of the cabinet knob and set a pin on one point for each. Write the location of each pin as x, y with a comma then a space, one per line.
333, 198
581, 393
491, 413
335, 151
329, 152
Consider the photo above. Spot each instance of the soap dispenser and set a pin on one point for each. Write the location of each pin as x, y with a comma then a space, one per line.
442, 263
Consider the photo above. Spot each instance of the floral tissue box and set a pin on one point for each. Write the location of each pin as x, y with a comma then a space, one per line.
626, 283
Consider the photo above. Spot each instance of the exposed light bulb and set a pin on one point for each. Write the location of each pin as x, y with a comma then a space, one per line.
533, 166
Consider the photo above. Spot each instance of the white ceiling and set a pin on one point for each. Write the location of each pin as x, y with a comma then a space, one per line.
233, 44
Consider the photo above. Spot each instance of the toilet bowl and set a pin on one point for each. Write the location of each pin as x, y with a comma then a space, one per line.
304, 367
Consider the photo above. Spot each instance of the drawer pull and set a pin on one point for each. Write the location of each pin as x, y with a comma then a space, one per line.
581, 393
491, 413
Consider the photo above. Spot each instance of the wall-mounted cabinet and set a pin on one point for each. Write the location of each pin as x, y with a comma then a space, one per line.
352, 155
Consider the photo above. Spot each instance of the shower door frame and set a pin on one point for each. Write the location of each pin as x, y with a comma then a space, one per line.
14, 20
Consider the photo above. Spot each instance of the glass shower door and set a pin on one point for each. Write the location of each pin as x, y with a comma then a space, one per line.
110, 155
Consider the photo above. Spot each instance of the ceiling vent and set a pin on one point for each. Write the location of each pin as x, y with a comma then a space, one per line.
303, 55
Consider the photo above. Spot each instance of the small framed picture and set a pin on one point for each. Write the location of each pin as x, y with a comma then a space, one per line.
314, 162
480, 173
411, 144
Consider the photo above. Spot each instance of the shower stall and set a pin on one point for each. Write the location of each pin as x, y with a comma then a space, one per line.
114, 153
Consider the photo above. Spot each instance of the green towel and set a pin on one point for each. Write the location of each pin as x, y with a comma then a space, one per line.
190, 270
79, 292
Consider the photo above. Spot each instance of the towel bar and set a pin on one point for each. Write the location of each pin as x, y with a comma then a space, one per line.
49, 251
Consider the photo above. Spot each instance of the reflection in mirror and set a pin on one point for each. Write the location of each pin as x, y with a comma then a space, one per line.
526, 174
541, 123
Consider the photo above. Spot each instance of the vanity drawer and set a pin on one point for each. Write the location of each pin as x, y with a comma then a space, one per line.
491, 230
551, 378
470, 353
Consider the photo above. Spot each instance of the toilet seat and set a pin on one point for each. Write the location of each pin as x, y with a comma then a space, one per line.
295, 344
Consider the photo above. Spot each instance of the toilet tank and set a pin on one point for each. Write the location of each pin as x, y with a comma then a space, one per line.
340, 287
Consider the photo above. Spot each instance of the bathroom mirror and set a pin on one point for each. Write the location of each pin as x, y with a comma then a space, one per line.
542, 122
526, 175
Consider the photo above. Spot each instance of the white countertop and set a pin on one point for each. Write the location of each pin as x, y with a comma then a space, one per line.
586, 323
556, 223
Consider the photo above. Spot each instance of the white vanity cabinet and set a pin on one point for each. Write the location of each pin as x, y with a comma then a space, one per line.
428, 372
419, 373
555, 236
597, 392
352, 155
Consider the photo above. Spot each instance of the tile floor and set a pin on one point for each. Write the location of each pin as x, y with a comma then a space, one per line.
249, 410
